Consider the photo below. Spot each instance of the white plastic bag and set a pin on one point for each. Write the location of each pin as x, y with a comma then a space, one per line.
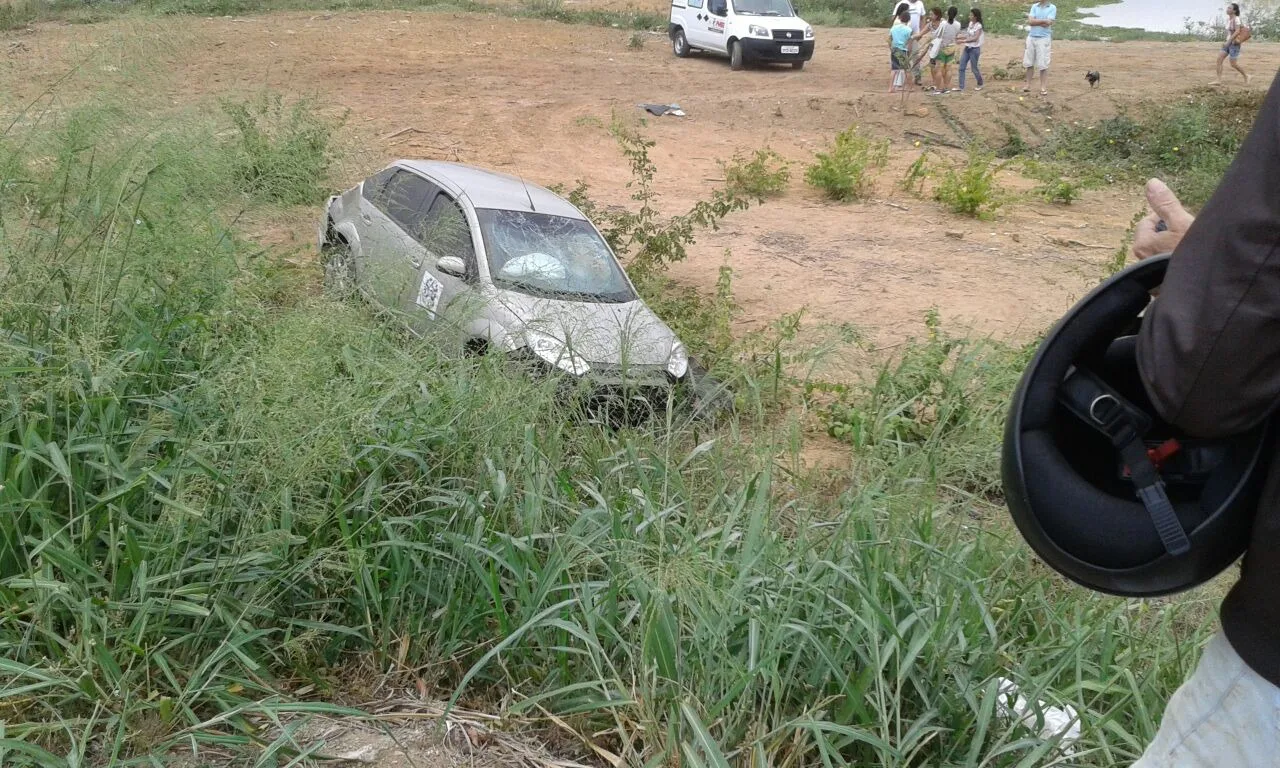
1061, 721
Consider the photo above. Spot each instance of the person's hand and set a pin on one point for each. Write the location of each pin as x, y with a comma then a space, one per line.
1147, 242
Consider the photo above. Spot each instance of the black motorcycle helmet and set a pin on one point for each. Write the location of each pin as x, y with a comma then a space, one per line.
1106, 492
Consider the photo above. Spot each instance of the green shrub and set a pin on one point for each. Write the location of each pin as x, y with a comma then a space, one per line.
845, 172
1055, 186
917, 174
16, 14
971, 190
636, 42
643, 237
1014, 144
282, 154
1059, 190
764, 175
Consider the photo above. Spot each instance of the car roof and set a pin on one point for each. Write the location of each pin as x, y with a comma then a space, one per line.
489, 189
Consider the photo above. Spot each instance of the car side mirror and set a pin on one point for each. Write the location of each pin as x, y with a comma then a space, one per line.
452, 266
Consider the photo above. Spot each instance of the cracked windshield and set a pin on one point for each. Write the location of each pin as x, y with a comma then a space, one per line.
551, 256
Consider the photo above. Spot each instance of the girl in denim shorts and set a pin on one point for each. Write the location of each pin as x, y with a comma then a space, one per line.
1231, 50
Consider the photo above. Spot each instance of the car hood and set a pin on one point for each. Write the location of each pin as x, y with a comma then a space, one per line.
600, 333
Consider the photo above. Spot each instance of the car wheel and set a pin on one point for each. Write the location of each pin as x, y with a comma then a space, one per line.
339, 270
680, 44
711, 397
797, 65
735, 55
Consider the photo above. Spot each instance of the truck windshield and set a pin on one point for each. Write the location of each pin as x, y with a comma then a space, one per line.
763, 7
551, 256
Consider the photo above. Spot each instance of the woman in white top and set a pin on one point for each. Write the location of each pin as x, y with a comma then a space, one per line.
922, 46
972, 39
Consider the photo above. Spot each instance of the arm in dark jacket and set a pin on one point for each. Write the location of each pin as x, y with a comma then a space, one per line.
1209, 350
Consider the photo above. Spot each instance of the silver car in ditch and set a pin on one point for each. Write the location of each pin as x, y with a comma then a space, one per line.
510, 264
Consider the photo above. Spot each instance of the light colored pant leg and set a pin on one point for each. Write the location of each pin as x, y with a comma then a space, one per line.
1224, 715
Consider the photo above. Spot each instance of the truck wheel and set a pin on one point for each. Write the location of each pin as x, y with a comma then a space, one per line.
679, 44
797, 65
735, 55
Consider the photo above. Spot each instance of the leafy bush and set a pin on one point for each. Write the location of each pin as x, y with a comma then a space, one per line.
917, 173
845, 172
646, 240
764, 175
1014, 144
282, 155
1059, 190
971, 190
16, 14
636, 42
1055, 186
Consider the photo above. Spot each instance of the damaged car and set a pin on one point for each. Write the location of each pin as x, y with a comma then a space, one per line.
511, 265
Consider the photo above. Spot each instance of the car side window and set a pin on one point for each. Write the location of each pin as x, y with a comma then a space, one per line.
405, 199
445, 232
695, 3
374, 185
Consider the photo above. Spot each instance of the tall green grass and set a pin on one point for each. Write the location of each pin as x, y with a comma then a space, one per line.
218, 489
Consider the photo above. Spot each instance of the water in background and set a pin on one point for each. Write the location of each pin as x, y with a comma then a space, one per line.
1166, 15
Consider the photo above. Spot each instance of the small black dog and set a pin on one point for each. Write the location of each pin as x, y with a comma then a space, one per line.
1093, 77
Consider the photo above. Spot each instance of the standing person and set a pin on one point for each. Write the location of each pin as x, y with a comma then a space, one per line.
972, 39
1039, 39
1209, 356
948, 33
899, 37
916, 9
1232, 48
926, 46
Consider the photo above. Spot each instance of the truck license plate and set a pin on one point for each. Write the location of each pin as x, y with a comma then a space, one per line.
790, 49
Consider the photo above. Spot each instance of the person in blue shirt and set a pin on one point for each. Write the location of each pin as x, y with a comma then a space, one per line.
899, 35
1039, 39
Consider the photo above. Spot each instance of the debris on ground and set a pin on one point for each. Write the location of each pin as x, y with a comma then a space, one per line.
1062, 722
658, 110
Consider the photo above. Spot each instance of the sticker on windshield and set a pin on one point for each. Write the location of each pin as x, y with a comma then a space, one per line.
429, 292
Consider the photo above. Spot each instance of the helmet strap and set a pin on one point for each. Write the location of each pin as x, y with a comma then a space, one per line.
1107, 411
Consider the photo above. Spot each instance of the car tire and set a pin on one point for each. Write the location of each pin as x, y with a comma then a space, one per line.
797, 65
680, 44
339, 270
711, 397
735, 55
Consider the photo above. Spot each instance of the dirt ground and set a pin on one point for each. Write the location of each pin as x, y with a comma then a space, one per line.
532, 97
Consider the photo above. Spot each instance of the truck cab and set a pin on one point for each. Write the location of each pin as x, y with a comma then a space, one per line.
744, 30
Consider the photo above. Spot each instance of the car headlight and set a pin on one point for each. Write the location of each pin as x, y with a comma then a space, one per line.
678, 362
808, 32
758, 31
554, 352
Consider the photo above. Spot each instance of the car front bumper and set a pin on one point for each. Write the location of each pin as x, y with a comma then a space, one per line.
760, 49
